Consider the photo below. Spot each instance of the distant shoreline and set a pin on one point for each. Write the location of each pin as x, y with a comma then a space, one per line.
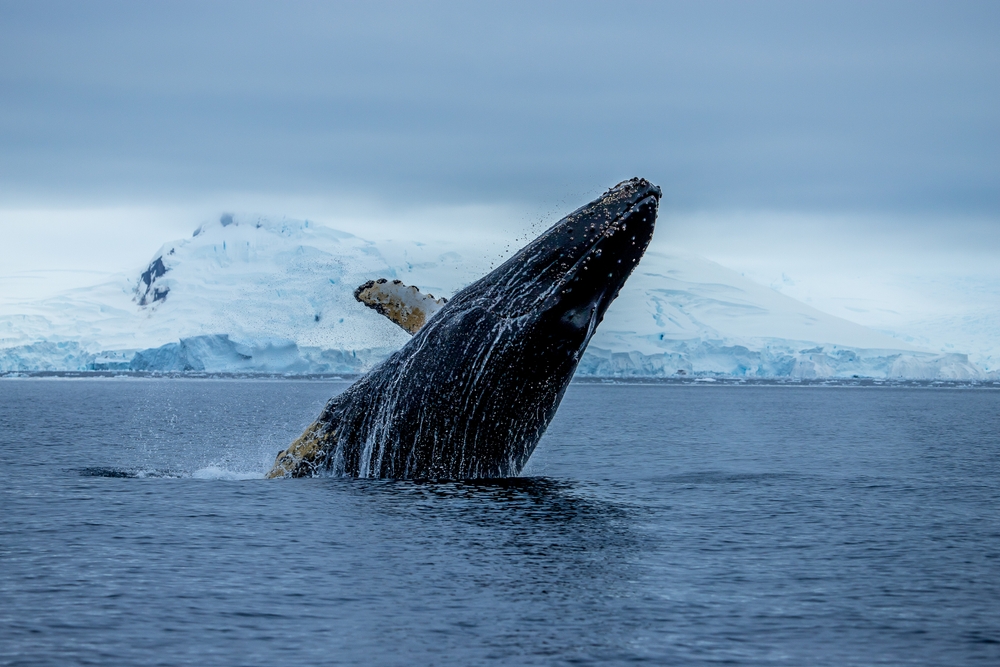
706, 381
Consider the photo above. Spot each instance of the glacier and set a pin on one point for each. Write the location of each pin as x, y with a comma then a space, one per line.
253, 294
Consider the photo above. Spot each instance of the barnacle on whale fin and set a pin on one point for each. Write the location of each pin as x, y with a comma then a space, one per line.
405, 305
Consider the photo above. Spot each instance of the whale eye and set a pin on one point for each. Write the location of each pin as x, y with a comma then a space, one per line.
578, 318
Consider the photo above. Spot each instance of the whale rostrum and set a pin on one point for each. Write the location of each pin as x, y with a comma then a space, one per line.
472, 392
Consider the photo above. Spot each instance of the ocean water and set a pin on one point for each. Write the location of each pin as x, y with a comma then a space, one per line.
688, 525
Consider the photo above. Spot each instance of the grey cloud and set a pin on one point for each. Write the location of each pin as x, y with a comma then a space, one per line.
835, 107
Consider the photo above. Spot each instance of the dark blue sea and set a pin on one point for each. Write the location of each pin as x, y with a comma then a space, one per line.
666, 524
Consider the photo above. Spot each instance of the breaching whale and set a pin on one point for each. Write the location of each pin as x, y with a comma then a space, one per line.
471, 393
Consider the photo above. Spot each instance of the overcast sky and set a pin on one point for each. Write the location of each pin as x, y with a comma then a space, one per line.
121, 123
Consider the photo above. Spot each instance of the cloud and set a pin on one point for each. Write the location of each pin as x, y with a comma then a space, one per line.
841, 107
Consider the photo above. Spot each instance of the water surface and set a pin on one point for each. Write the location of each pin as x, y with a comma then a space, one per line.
667, 524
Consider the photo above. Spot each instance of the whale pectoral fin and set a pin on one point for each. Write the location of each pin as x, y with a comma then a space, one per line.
405, 305
305, 456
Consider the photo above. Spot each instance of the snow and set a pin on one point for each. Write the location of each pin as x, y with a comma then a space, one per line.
249, 293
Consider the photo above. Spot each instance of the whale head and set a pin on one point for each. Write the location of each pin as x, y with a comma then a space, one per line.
555, 291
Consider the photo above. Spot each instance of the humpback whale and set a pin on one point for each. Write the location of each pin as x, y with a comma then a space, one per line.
472, 392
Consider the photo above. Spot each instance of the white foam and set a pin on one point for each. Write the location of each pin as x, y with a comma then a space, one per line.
217, 473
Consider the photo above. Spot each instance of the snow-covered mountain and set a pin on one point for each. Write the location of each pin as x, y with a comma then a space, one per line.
254, 294
244, 293
684, 314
